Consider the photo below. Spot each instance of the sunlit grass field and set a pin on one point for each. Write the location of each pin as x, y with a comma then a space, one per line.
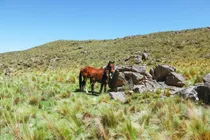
45, 105
38, 99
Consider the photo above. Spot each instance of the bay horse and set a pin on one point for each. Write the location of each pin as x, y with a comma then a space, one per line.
101, 75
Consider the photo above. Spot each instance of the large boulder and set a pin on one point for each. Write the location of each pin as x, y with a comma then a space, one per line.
162, 71
175, 79
118, 80
196, 93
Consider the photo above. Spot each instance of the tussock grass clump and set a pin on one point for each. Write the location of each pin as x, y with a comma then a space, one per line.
34, 100
108, 117
130, 131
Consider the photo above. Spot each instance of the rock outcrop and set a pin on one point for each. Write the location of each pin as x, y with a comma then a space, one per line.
136, 78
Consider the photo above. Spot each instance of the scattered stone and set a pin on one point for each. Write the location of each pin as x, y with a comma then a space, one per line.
144, 56
120, 89
8, 71
80, 47
120, 96
127, 58
84, 52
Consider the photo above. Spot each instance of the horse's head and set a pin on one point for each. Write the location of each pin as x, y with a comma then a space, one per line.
109, 69
110, 66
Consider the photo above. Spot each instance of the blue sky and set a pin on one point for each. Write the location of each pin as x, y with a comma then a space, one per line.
29, 23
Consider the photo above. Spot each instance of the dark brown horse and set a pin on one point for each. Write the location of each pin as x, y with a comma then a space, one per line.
101, 75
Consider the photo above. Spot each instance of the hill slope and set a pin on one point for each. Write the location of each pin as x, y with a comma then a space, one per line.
163, 46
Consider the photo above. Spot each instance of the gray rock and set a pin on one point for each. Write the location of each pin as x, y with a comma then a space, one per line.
135, 77
120, 96
175, 79
189, 93
151, 71
199, 84
144, 56
120, 89
139, 88
84, 52
153, 85
206, 80
134, 68
148, 75
137, 60
146, 86
118, 80
162, 71
127, 58
139, 68
8, 71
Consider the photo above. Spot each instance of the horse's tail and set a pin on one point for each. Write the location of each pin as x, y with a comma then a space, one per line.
80, 80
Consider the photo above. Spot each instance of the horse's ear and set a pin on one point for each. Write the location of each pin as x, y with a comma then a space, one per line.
111, 62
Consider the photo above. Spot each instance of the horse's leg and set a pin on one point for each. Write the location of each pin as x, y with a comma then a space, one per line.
105, 84
101, 87
92, 85
84, 84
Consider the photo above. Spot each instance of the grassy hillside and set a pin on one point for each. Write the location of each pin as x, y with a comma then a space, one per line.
164, 47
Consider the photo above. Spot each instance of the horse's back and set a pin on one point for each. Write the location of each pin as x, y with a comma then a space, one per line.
92, 72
